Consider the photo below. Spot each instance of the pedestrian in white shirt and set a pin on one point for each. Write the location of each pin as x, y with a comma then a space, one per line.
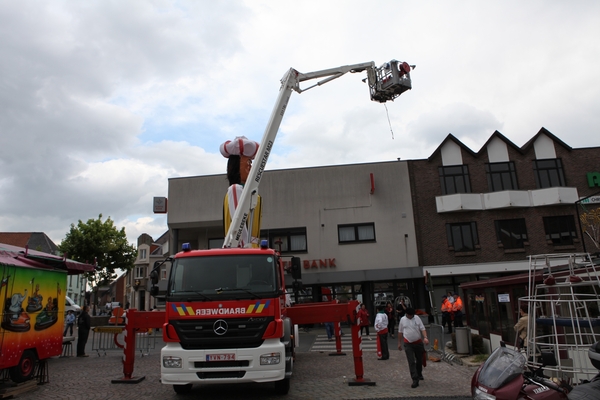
412, 336
381, 327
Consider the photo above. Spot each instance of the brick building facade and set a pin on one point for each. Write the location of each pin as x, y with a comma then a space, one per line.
479, 215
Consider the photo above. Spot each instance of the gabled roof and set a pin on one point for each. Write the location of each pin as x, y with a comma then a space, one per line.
500, 136
453, 138
23, 257
523, 149
34, 240
546, 132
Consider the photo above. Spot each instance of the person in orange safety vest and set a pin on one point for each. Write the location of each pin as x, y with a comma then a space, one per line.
446, 314
457, 309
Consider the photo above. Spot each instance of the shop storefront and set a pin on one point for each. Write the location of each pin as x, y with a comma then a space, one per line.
492, 305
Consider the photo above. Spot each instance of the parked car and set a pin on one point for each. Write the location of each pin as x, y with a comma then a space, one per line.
71, 305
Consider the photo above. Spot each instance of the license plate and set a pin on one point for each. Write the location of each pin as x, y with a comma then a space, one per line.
220, 357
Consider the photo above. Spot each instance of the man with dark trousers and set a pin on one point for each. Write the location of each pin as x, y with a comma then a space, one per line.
446, 314
84, 324
412, 336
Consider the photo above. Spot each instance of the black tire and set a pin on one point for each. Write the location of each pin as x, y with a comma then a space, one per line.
182, 389
282, 387
24, 370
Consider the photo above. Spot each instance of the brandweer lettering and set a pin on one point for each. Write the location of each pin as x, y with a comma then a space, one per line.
220, 311
263, 162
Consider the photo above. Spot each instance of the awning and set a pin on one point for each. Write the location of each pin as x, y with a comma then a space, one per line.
19, 256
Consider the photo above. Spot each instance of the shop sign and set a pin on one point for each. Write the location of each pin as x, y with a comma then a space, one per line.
593, 179
591, 200
323, 263
504, 298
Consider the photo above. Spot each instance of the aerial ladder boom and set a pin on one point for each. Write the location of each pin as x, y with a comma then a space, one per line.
385, 83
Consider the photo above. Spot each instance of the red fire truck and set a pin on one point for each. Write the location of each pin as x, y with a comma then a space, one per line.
227, 320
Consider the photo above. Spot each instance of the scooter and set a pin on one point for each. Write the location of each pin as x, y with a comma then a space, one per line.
505, 376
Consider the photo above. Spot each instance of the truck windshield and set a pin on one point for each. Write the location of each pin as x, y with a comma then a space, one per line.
212, 277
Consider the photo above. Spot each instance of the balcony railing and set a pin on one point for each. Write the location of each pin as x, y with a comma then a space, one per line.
506, 199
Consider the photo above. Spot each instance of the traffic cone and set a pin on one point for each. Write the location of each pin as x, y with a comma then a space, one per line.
435, 344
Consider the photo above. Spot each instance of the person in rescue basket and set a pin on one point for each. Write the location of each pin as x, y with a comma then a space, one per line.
84, 324
381, 327
240, 152
363, 318
411, 336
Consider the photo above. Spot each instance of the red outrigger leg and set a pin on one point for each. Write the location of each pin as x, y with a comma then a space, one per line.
136, 320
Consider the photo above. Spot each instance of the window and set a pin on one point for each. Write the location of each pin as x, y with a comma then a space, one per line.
140, 272
163, 272
142, 254
548, 173
455, 179
501, 176
356, 233
462, 236
286, 240
560, 230
157, 251
511, 233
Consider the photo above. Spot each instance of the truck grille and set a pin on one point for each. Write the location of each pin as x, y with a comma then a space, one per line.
221, 364
199, 334
221, 375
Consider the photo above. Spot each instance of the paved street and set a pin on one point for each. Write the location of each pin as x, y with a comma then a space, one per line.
316, 376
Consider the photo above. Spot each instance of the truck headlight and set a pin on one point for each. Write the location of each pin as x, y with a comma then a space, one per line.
270, 359
172, 362
481, 395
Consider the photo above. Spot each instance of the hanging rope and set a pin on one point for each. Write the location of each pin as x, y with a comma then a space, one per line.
388, 118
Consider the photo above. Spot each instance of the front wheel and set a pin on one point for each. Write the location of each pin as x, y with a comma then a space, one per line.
182, 389
24, 370
282, 387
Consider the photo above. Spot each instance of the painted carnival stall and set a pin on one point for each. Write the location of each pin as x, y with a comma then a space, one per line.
32, 301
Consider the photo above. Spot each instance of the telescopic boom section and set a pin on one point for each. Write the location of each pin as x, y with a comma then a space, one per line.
385, 83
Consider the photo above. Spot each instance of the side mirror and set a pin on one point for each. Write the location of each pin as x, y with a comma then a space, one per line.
154, 291
154, 277
296, 268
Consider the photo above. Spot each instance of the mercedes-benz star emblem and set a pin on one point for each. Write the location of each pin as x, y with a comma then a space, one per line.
220, 327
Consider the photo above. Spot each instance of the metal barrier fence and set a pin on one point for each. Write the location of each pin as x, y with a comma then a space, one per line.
438, 338
108, 338
145, 341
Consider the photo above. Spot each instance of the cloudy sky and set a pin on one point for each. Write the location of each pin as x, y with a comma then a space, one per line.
101, 102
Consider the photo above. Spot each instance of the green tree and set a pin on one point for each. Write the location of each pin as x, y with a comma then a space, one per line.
101, 243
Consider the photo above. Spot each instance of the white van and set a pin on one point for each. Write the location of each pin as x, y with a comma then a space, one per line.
70, 305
